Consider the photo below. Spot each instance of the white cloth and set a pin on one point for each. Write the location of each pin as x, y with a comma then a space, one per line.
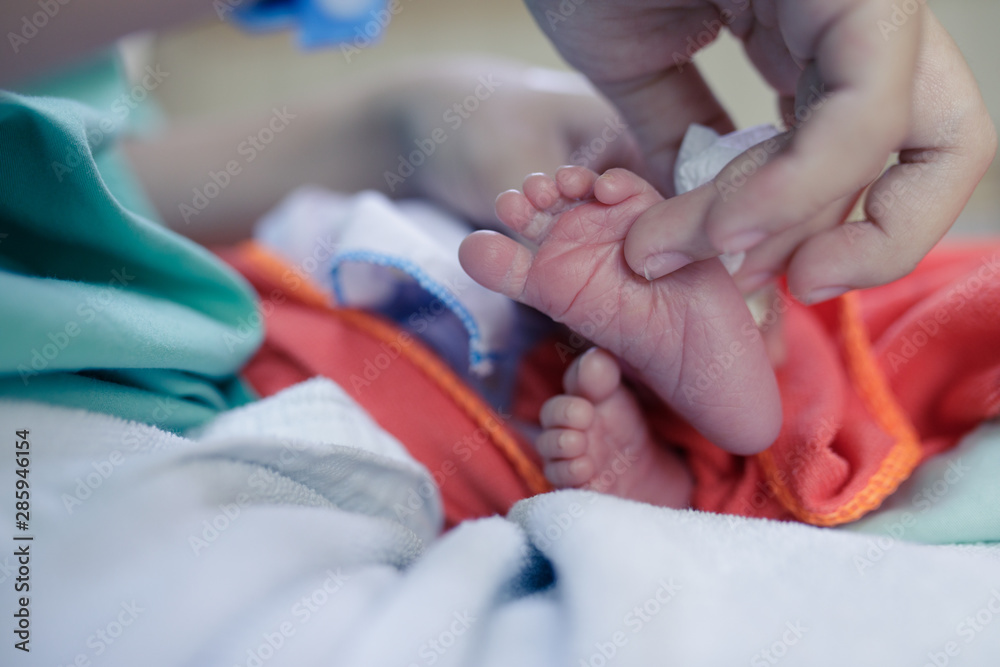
703, 155
296, 532
362, 248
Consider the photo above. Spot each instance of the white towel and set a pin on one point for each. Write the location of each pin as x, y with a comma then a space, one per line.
267, 543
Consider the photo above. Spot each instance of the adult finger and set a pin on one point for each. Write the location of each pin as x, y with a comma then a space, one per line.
908, 210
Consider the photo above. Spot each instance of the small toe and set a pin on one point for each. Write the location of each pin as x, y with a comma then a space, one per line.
559, 443
594, 375
515, 211
541, 191
575, 182
567, 412
574, 472
616, 185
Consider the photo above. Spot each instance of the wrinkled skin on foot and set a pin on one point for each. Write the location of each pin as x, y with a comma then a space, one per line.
669, 331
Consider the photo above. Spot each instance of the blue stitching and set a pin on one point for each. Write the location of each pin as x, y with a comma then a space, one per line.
476, 356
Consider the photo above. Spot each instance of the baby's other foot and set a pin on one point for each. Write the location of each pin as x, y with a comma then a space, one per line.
596, 438
688, 335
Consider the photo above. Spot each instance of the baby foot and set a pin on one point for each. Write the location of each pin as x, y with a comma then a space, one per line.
688, 335
596, 438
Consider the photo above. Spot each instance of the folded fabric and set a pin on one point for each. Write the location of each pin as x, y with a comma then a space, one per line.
284, 546
480, 463
103, 308
366, 250
953, 498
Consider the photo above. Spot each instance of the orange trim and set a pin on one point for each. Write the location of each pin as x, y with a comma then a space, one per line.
874, 391
479, 412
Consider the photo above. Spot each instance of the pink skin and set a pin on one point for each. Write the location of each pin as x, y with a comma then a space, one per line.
668, 330
595, 437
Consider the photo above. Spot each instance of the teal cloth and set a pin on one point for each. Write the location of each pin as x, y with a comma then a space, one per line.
103, 308
953, 498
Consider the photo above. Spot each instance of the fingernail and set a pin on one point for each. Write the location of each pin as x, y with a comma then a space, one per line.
743, 241
824, 294
659, 265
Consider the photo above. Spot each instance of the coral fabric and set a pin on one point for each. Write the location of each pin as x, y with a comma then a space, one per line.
873, 384
480, 464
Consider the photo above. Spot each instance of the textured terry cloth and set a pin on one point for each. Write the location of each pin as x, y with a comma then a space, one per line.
366, 251
284, 548
873, 384
103, 308
479, 462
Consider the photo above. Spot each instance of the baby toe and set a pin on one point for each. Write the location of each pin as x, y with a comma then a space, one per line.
567, 412
573, 472
561, 444
514, 210
541, 191
575, 182
616, 185
594, 375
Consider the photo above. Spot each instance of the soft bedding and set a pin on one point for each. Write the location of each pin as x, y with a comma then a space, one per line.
295, 531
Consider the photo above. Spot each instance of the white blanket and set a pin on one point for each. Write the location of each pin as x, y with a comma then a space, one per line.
296, 532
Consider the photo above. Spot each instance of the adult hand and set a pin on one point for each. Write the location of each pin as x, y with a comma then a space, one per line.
857, 81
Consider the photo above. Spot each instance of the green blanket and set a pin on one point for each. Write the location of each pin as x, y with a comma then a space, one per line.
101, 307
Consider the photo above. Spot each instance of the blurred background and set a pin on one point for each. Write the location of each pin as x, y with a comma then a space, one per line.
216, 69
